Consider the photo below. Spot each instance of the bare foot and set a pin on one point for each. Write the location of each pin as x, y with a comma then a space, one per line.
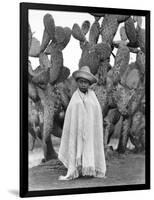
100, 176
63, 178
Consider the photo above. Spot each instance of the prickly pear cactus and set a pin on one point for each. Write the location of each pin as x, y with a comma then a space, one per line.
122, 96
109, 26
141, 38
42, 81
140, 61
122, 58
110, 120
92, 52
119, 85
131, 31
85, 27
94, 33
49, 31
91, 55
102, 72
137, 131
102, 96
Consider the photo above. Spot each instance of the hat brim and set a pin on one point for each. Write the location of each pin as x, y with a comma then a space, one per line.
86, 75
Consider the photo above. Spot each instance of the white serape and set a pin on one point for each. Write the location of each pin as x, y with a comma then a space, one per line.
82, 138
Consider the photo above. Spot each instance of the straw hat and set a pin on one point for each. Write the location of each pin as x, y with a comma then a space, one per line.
84, 72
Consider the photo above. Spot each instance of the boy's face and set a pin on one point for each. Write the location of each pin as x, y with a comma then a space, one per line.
83, 84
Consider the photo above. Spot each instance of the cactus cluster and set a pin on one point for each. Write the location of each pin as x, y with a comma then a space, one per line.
120, 88
44, 79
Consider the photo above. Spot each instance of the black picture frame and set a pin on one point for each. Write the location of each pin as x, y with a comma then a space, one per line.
24, 8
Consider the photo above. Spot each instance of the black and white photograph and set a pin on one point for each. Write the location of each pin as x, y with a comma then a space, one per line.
84, 82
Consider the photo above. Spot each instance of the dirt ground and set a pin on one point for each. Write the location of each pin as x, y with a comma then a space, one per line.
121, 170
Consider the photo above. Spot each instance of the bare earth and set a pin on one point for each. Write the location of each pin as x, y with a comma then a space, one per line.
125, 169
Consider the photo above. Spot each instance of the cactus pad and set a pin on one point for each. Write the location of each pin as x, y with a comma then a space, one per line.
67, 35
32, 91
59, 34
41, 77
122, 58
103, 50
45, 41
56, 64
44, 61
35, 48
132, 79
63, 75
85, 27
77, 33
102, 72
94, 33
109, 28
141, 38
49, 25
140, 61
130, 30
122, 96
122, 18
123, 35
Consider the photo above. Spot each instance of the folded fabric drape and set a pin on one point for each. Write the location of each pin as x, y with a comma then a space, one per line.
81, 149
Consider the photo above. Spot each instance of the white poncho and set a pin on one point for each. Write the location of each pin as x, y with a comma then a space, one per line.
82, 138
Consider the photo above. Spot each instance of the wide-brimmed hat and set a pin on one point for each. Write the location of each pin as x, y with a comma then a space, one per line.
84, 72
